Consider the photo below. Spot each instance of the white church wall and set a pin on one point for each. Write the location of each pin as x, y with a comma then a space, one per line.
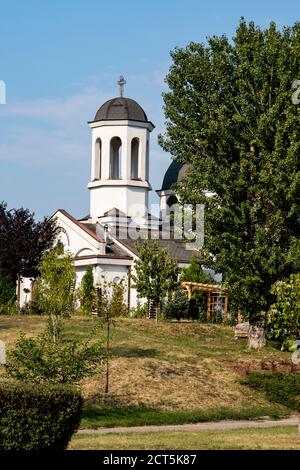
123, 193
75, 239
109, 271
125, 198
25, 286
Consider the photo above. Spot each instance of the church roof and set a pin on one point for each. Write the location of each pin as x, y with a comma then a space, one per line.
120, 108
176, 248
174, 174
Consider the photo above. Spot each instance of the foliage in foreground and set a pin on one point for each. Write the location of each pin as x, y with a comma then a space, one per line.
38, 360
281, 387
38, 417
231, 119
284, 315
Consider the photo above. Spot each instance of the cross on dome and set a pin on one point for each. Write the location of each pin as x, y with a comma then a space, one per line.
121, 83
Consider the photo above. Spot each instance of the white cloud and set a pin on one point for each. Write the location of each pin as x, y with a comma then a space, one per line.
46, 130
80, 105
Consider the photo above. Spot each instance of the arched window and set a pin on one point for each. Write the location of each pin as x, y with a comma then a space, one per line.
98, 162
134, 172
115, 158
172, 200
172, 210
147, 161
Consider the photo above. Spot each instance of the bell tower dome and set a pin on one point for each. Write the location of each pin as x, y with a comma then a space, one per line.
120, 158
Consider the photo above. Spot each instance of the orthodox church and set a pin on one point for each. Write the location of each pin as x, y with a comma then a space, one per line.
119, 198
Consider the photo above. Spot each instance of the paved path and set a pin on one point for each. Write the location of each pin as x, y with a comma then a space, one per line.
230, 424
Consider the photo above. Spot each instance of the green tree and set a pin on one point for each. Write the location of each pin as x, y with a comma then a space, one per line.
195, 273
230, 117
110, 305
22, 243
87, 290
7, 290
55, 288
155, 273
178, 307
284, 315
40, 360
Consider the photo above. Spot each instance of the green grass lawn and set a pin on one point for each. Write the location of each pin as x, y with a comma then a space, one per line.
166, 373
281, 438
109, 416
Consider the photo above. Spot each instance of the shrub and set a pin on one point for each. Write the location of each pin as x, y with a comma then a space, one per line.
280, 387
87, 291
140, 311
197, 307
284, 316
36, 360
31, 308
178, 307
38, 417
9, 309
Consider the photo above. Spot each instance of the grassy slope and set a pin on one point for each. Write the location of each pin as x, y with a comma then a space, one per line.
284, 438
165, 373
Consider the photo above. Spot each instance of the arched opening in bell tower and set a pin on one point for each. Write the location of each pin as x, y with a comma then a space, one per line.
98, 162
134, 171
115, 158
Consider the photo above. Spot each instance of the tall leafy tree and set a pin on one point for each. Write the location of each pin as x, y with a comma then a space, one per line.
231, 118
22, 242
155, 273
284, 315
195, 273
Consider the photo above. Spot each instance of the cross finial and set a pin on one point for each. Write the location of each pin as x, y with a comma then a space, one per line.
122, 83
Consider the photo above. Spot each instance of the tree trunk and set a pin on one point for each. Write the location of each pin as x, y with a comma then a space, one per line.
257, 337
157, 309
107, 353
54, 327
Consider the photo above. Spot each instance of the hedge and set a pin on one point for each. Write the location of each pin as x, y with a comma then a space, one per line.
280, 387
38, 417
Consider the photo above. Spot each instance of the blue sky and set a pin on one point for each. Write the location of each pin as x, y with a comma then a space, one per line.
60, 60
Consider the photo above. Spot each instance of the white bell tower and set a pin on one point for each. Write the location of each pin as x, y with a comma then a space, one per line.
120, 158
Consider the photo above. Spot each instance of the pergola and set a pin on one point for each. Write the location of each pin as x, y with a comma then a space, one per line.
217, 299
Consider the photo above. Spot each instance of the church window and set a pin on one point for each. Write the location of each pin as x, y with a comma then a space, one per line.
115, 158
134, 173
98, 162
172, 200
147, 161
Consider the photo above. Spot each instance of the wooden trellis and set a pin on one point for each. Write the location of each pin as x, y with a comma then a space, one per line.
217, 300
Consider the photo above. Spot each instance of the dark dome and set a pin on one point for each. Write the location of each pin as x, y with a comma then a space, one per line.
121, 109
174, 174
